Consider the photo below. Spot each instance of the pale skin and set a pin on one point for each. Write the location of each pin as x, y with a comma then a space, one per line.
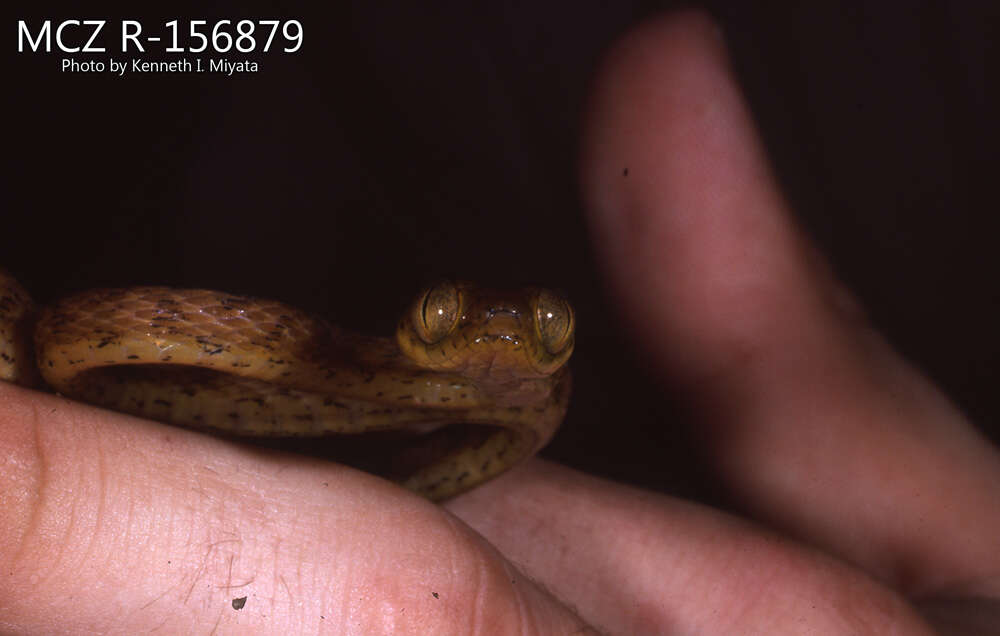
868, 497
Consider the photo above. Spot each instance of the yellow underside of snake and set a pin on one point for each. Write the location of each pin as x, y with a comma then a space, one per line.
474, 382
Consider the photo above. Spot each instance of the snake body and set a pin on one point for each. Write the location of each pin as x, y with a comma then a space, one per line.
491, 363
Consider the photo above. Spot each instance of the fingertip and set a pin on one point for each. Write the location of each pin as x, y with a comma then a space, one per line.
687, 217
646, 82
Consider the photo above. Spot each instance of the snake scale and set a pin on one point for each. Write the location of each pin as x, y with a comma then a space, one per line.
481, 369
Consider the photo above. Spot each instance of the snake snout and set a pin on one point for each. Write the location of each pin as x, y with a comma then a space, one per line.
498, 355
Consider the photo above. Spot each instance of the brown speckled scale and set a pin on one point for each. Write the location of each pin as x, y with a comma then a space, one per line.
16, 313
249, 366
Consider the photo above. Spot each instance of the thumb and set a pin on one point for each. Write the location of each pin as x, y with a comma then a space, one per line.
709, 264
817, 424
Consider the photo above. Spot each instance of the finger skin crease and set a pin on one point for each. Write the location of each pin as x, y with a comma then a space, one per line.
40, 468
94, 542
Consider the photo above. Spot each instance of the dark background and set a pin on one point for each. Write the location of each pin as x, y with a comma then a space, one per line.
405, 144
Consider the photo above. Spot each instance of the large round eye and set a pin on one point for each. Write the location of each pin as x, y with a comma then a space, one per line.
554, 318
436, 312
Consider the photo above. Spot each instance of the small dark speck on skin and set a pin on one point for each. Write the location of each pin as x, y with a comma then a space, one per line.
238, 603
434, 594
625, 172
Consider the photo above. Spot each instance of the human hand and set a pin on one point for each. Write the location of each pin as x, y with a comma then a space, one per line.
880, 501
113, 524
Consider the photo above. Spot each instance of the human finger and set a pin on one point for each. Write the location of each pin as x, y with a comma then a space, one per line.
818, 426
111, 524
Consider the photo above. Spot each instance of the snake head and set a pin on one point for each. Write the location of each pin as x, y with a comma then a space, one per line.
485, 333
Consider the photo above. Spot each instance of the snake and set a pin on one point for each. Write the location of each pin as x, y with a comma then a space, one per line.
474, 382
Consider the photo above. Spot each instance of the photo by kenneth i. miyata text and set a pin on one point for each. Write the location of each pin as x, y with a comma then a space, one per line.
140, 66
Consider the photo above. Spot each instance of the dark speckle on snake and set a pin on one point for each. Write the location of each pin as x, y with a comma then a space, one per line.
487, 361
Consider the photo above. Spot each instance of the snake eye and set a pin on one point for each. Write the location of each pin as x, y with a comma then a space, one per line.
554, 318
436, 312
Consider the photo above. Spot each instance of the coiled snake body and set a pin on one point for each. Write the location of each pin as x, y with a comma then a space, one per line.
492, 362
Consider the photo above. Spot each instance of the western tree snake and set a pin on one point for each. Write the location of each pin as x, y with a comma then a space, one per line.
489, 362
